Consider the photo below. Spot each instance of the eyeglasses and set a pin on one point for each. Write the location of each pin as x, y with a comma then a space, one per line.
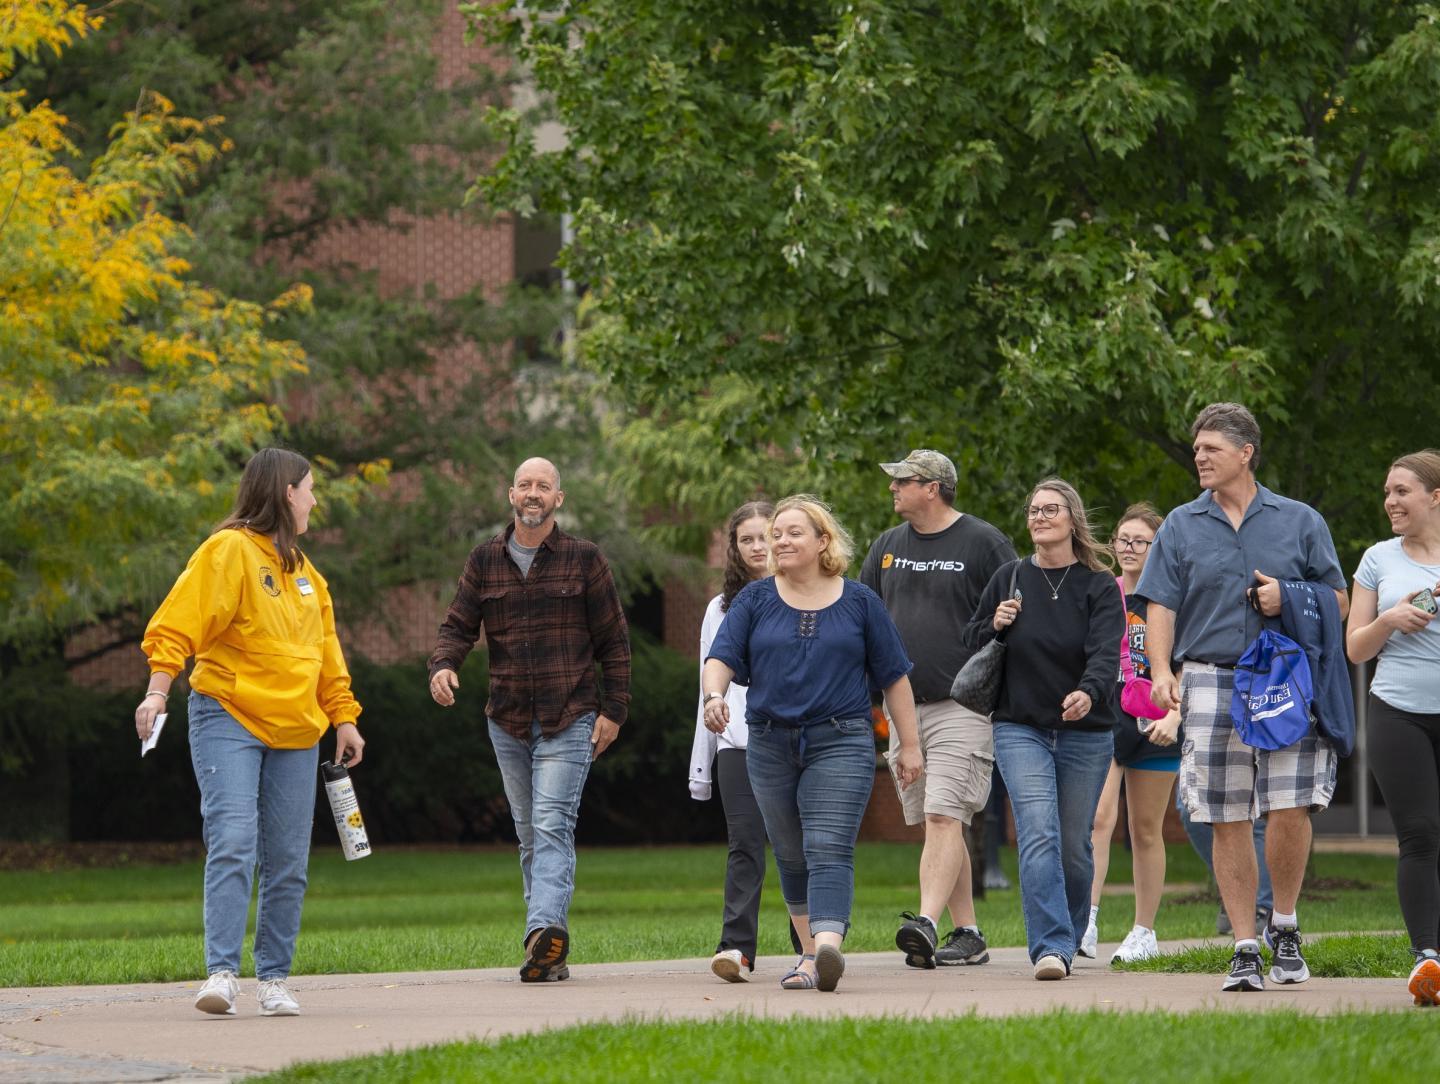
1135, 545
1043, 511
913, 478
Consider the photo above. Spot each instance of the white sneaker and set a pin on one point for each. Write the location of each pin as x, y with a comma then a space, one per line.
1090, 943
276, 999
1139, 944
1048, 968
218, 994
730, 965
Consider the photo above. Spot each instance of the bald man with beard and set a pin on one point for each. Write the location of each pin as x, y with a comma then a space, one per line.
549, 610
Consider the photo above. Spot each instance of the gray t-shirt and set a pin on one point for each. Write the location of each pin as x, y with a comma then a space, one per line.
524, 555
930, 583
1200, 567
1407, 674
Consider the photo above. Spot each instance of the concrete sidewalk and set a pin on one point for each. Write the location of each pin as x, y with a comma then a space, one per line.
151, 1032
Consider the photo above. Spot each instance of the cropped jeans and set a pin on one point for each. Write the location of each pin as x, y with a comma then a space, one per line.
543, 779
812, 784
258, 804
1054, 777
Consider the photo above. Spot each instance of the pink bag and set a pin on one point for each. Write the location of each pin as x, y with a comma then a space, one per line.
1135, 693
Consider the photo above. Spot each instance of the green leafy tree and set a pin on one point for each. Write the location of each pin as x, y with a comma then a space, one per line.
1037, 235
341, 123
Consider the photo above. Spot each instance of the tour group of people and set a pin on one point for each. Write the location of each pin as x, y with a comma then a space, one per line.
1117, 665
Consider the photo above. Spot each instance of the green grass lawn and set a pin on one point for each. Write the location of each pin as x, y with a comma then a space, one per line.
433, 910
1104, 1048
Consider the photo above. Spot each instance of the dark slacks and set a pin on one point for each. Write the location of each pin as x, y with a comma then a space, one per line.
745, 866
1405, 757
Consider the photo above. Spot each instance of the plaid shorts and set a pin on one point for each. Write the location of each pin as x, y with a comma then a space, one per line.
1223, 780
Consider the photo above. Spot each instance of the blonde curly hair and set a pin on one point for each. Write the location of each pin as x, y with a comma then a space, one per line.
839, 550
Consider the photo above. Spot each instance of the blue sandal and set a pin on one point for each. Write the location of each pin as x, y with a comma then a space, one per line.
795, 979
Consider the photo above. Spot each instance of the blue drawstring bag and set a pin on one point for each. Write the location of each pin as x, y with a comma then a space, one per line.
1270, 705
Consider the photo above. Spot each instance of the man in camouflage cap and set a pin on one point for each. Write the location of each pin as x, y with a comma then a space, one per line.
930, 571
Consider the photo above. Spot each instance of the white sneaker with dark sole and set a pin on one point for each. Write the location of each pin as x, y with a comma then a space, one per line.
218, 994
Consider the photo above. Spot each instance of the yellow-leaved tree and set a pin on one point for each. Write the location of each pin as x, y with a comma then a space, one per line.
128, 394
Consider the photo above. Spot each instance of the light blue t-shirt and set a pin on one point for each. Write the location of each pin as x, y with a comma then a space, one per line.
1407, 674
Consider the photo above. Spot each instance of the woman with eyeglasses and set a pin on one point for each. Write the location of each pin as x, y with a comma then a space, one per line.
1146, 761
1054, 724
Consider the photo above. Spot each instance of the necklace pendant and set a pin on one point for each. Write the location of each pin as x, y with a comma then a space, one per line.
1054, 596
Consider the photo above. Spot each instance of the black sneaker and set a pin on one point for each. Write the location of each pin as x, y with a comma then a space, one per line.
916, 938
1244, 972
1287, 964
963, 947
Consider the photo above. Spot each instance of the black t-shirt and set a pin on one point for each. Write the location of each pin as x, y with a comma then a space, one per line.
930, 583
1056, 645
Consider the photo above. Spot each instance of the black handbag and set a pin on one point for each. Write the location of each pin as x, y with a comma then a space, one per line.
977, 685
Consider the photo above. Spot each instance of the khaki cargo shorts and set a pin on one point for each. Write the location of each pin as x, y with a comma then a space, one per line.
959, 749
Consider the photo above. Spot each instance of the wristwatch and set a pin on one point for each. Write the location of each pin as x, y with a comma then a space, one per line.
705, 700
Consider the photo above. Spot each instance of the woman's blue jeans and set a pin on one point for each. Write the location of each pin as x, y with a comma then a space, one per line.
543, 779
259, 805
1054, 777
812, 784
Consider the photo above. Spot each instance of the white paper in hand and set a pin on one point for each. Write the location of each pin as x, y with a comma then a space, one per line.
149, 743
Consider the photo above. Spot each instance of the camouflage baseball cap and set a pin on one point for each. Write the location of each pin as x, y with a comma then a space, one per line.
924, 463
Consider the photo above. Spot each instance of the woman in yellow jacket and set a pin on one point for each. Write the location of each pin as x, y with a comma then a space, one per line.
269, 680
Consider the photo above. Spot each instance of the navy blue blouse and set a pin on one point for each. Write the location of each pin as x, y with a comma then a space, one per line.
805, 666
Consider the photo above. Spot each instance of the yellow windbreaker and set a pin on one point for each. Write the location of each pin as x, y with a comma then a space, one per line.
264, 641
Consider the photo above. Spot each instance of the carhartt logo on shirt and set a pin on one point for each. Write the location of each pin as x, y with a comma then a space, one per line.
908, 565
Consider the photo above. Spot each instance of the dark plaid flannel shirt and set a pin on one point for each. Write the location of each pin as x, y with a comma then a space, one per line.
545, 633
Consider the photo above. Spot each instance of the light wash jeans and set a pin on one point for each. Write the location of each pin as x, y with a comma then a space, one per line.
259, 806
812, 784
1202, 838
543, 779
1054, 777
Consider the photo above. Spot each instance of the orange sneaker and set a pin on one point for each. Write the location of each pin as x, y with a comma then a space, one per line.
1425, 981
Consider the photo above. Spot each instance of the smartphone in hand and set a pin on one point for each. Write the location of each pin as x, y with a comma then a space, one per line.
1424, 599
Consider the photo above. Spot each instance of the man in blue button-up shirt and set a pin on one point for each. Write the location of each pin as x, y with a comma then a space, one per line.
1212, 582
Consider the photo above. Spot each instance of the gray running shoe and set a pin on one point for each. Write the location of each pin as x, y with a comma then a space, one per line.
995, 878
963, 947
1222, 923
1287, 964
1244, 972
916, 938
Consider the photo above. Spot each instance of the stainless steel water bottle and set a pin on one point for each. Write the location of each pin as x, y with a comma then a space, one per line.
346, 808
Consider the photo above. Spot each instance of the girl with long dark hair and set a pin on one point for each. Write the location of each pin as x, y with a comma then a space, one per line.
269, 681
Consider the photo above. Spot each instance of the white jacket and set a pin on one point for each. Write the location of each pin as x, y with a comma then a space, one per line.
707, 743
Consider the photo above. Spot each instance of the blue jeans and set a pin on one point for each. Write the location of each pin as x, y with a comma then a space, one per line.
1202, 838
259, 805
1054, 778
543, 779
812, 784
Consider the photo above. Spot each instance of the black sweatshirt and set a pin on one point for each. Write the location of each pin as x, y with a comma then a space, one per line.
1055, 645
